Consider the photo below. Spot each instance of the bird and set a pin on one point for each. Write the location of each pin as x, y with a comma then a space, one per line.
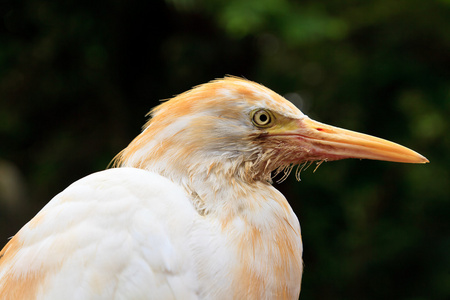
187, 210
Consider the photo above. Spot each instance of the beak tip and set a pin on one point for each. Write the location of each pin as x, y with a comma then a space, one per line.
424, 160
417, 158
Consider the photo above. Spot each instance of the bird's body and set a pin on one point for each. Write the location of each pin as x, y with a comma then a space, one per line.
136, 234
190, 213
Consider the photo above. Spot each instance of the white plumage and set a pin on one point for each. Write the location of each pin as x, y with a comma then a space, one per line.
190, 213
120, 228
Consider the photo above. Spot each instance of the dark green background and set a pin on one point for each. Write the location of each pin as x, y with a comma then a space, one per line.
77, 78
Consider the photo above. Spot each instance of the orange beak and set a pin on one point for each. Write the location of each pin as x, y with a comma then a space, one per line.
324, 142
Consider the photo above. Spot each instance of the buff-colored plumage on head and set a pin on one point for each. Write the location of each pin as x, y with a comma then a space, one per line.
209, 129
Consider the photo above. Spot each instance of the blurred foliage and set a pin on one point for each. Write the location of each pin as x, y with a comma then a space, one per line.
77, 77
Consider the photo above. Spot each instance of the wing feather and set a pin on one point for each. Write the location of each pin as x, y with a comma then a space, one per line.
111, 235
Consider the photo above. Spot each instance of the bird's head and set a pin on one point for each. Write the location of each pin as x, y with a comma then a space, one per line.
239, 128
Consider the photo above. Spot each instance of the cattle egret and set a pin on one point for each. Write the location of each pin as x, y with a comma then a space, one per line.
189, 211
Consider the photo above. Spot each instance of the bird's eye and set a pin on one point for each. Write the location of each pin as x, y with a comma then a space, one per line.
262, 118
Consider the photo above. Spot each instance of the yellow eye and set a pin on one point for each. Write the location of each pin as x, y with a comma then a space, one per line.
261, 118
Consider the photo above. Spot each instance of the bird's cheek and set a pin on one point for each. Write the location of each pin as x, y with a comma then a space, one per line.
289, 149
303, 149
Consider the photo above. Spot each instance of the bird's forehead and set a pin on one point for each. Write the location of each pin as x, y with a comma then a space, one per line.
252, 96
232, 96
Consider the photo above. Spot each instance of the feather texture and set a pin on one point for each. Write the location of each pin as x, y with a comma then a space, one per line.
189, 212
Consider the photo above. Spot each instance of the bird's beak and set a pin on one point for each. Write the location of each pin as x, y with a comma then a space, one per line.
325, 142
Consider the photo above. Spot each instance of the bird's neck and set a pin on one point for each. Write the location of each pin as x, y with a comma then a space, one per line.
260, 228
223, 189
215, 183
